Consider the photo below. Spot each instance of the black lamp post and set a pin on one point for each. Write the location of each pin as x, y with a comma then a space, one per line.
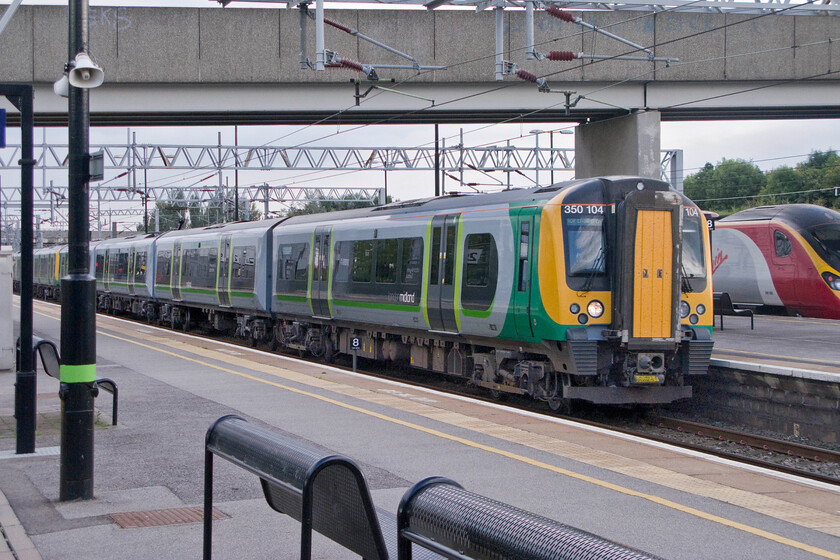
78, 288
21, 97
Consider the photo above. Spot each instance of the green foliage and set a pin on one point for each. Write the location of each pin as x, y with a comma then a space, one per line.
734, 185
349, 202
182, 213
722, 187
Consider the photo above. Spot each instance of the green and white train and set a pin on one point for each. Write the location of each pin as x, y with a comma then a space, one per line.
596, 289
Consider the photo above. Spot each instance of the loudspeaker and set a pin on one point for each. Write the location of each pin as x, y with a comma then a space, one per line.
84, 73
62, 87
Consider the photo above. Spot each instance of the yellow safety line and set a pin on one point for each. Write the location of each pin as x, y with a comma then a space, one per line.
527, 460
539, 464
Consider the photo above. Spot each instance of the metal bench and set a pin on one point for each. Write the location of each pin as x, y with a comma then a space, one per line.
326, 493
51, 362
438, 514
723, 306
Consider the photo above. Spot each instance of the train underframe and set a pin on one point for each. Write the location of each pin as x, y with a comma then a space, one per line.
560, 373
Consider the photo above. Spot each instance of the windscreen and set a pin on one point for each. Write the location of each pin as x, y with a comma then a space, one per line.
693, 250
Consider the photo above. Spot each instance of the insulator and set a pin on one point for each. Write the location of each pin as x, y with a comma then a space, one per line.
527, 76
562, 56
560, 14
351, 64
338, 26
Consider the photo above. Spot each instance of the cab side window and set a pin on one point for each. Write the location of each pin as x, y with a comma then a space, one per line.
782, 244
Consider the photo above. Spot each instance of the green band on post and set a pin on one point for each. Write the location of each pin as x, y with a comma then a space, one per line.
78, 374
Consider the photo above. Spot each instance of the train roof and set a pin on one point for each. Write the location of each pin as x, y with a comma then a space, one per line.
457, 201
800, 215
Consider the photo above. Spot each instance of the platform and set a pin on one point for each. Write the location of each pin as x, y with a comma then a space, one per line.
797, 346
667, 502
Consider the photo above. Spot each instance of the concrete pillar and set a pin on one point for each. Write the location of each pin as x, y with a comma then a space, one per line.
7, 347
628, 145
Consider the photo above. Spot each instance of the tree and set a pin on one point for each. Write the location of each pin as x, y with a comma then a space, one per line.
696, 187
784, 180
318, 206
724, 187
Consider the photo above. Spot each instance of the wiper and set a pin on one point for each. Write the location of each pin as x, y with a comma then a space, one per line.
596, 266
684, 282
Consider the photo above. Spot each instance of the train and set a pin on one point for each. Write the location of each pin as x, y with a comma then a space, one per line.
783, 259
594, 290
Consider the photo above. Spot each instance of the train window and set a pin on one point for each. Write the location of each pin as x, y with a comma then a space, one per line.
140, 267
386, 261
828, 237
321, 257
199, 267
782, 244
480, 271
412, 260
360, 270
434, 273
693, 260
449, 262
524, 244
585, 245
293, 268
100, 266
163, 268
243, 268
584, 242
121, 274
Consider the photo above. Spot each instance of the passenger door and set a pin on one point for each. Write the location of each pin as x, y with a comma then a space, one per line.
223, 271
320, 272
132, 255
106, 274
175, 279
443, 250
524, 267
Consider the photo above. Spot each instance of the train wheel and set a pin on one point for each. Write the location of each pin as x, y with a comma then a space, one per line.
560, 405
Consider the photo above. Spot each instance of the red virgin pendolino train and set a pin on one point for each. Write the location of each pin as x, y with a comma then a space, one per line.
785, 258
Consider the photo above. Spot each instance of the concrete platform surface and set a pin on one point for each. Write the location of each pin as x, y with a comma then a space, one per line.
172, 387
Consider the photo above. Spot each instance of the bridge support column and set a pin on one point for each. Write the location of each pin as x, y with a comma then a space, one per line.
628, 145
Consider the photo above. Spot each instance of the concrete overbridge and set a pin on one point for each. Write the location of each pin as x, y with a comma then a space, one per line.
516, 61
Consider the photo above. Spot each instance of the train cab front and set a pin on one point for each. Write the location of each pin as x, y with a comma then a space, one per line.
634, 290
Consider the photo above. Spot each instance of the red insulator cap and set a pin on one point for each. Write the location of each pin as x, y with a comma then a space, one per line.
527, 76
562, 56
560, 14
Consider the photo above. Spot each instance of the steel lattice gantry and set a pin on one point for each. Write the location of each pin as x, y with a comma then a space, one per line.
122, 163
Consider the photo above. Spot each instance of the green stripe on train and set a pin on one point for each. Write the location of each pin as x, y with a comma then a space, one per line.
374, 305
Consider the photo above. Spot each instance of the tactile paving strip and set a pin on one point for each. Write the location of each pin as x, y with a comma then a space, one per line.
163, 517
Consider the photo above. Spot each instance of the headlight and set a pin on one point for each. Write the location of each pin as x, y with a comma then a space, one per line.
701, 309
685, 309
832, 280
574, 308
595, 308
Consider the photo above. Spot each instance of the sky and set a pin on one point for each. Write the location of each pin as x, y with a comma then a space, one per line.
768, 144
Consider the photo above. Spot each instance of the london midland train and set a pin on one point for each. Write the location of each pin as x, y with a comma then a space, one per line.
597, 290
783, 258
